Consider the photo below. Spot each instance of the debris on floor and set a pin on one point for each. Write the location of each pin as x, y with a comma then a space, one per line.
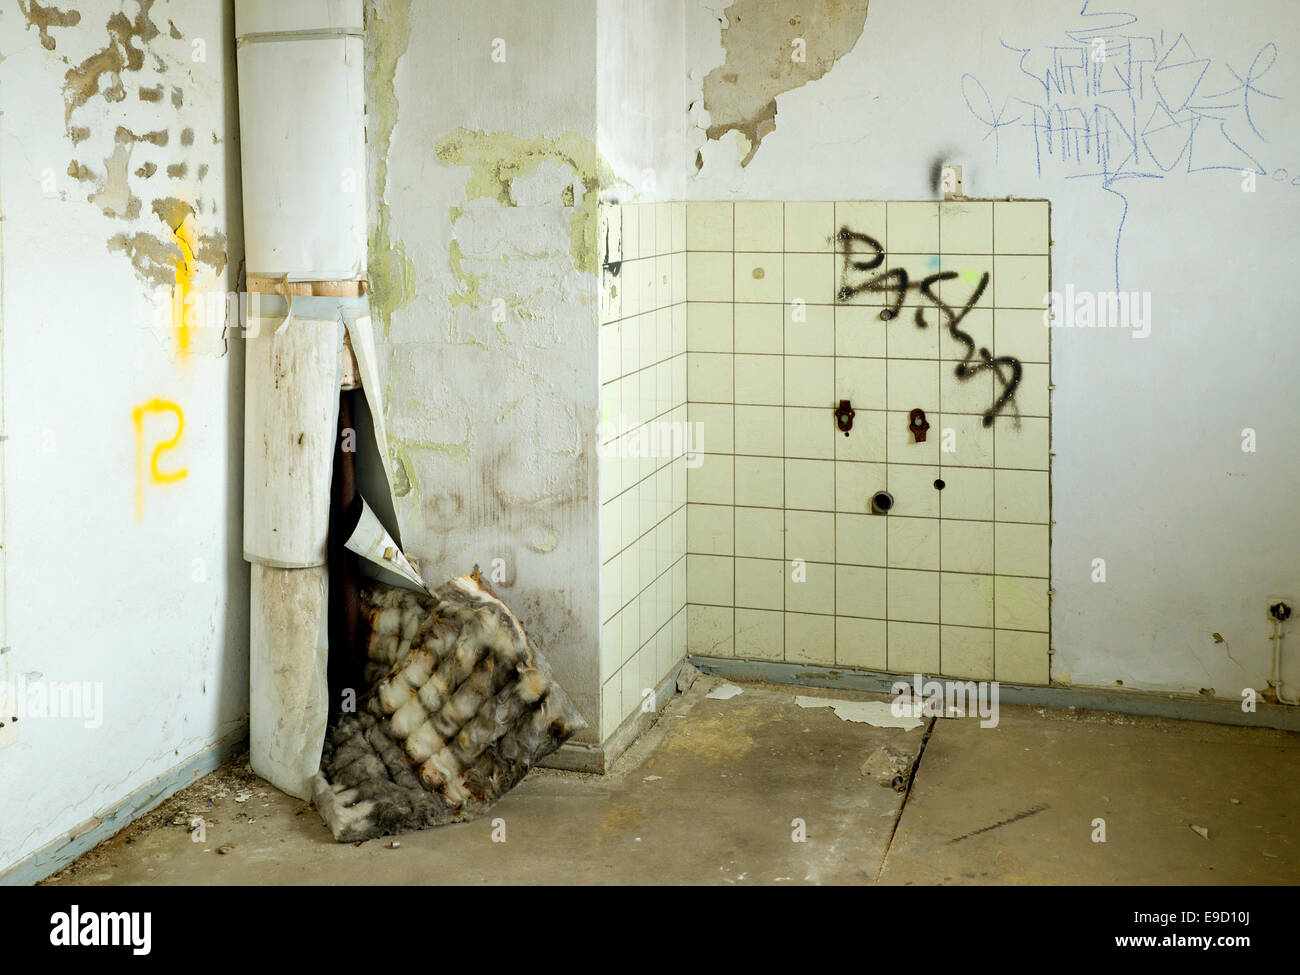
724, 692
460, 709
878, 714
1201, 831
890, 766
686, 676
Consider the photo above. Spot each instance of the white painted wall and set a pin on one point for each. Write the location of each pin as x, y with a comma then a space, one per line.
1149, 471
152, 606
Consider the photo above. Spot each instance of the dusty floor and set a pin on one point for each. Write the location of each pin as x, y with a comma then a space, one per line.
759, 790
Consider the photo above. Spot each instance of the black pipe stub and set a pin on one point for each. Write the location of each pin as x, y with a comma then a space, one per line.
881, 502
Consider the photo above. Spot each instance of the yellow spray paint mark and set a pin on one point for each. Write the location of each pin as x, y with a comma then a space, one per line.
156, 475
183, 297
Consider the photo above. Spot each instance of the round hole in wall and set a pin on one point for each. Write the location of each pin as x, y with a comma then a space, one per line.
938, 484
759, 274
881, 502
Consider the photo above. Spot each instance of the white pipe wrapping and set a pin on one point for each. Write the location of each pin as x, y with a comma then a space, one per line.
302, 135
288, 707
292, 371
372, 542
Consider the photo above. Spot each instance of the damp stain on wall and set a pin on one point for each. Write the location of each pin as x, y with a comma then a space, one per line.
774, 46
497, 159
391, 271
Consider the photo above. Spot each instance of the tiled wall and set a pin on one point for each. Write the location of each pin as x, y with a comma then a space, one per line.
643, 463
954, 580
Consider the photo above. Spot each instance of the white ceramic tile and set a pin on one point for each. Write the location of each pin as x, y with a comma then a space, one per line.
901, 445
966, 651
1022, 444
1031, 397
759, 329
710, 529
810, 227
967, 493
1020, 282
679, 226
1020, 226
708, 276
862, 217
860, 539
759, 277
809, 587
860, 591
810, 433
710, 631
760, 532
810, 381
913, 227
630, 218
809, 639
713, 424
965, 599
859, 332
966, 546
964, 441
711, 482
913, 648
709, 377
912, 384
760, 583
810, 535
759, 430
759, 226
1021, 550
971, 392
1020, 604
709, 227
913, 543
810, 484
861, 381
1022, 333
966, 227
810, 278
855, 484
860, 643
709, 579
1021, 658
866, 440
809, 329
965, 289
760, 633
708, 326
1021, 496
913, 596
760, 380
760, 481
912, 486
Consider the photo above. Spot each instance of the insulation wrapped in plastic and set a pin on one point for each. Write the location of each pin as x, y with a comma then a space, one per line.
460, 708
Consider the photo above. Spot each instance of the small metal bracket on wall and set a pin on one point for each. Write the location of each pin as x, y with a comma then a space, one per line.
918, 424
844, 414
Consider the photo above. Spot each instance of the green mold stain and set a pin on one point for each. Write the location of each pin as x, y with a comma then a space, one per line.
388, 35
495, 160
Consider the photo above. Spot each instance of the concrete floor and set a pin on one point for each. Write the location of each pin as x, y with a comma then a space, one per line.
711, 793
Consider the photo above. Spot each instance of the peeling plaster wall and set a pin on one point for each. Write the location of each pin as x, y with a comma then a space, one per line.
118, 176
486, 179
1149, 472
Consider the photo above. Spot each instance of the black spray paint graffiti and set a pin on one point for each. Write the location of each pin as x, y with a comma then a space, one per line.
857, 246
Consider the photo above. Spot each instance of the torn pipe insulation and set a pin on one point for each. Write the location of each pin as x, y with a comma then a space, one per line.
460, 707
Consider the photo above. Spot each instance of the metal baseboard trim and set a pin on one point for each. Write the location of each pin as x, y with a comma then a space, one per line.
1180, 707
58, 853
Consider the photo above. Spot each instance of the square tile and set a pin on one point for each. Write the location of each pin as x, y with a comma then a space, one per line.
711, 481
759, 430
760, 633
759, 277
966, 227
1021, 226
1023, 443
966, 651
760, 532
913, 648
860, 591
810, 535
965, 599
966, 546
760, 481
810, 381
861, 217
913, 596
915, 495
759, 329
810, 227
809, 329
964, 441
912, 384
967, 493
860, 539
862, 381
1021, 658
1021, 550
708, 276
1021, 496
809, 587
760, 380
708, 326
913, 227
970, 391
760, 583
810, 278
710, 529
708, 227
710, 631
759, 226
709, 377
1020, 604
855, 484
865, 441
913, 543
860, 643
1021, 332
1020, 282
859, 331
901, 446
810, 433
711, 427
809, 639
810, 484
